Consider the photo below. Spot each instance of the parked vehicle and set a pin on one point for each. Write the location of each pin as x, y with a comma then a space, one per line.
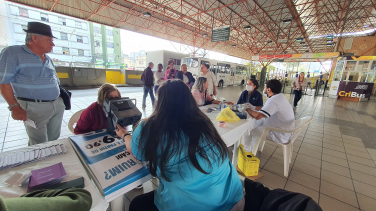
227, 73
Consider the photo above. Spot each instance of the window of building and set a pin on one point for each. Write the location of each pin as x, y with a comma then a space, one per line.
62, 21
65, 50
24, 27
80, 39
177, 61
78, 25
97, 43
109, 32
24, 12
97, 30
98, 56
117, 44
110, 45
63, 36
116, 32
44, 17
81, 52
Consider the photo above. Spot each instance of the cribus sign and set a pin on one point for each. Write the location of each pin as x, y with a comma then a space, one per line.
355, 89
221, 33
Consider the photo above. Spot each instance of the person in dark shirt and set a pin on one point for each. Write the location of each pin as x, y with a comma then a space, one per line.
148, 81
185, 76
251, 95
93, 117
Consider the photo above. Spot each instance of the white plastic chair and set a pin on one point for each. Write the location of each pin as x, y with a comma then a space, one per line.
74, 119
288, 147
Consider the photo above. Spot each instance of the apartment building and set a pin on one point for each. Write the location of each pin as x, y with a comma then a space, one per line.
73, 42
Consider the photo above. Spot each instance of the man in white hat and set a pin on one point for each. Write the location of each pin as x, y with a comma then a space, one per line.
29, 84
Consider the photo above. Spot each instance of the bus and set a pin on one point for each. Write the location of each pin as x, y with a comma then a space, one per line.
227, 73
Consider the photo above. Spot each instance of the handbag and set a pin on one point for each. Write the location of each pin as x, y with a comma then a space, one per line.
66, 96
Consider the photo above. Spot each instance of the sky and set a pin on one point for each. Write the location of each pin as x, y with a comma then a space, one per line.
134, 42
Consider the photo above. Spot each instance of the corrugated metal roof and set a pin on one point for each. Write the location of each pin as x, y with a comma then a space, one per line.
185, 21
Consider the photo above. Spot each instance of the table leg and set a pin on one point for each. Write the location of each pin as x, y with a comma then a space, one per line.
118, 204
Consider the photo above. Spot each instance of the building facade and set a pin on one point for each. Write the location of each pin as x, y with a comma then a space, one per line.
73, 43
106, 46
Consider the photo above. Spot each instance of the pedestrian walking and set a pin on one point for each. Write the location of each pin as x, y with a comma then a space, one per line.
299, 84
148, 81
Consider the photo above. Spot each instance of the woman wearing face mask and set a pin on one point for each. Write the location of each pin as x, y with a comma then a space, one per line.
93, 117
251, 96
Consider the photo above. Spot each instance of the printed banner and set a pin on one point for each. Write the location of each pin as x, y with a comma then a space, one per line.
113, 166
318, 55
298, 56
355, 89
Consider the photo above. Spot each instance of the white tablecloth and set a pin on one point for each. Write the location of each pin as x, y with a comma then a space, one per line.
72, 166
234, 131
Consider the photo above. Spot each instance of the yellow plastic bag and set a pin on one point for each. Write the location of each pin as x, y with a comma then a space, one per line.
247, 162
227, 115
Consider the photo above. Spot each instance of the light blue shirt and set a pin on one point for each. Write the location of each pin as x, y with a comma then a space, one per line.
190, 189
28, 75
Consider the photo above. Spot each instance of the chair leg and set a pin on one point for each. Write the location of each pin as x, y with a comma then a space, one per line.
286, 158
291, 150
256, 145
262, 146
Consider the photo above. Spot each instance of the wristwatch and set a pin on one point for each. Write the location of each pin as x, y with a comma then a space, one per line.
12, 106
125, 135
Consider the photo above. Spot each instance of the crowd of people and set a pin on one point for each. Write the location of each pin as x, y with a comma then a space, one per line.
179, 142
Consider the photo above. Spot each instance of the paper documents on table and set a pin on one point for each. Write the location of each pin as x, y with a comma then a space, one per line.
114, 170
31, 155
31, 123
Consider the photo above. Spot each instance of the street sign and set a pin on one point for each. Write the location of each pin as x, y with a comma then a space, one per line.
221, 34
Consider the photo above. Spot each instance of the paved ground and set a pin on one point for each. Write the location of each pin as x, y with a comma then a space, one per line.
333, 160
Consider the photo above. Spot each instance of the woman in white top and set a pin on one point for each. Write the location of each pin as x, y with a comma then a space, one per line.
159, 77
299, 84
199, 92
212, 79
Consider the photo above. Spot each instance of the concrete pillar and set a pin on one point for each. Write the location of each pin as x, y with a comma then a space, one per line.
334, 64
262, 76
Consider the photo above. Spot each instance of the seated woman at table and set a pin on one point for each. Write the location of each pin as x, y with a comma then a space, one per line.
251, 96
184, 150
93, 117
200, 93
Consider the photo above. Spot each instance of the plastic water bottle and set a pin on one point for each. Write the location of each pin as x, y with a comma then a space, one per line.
220, 106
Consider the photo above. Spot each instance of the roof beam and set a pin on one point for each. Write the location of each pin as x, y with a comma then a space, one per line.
295, 15
345, 11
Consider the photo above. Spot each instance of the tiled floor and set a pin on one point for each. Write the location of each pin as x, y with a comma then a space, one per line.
333, 158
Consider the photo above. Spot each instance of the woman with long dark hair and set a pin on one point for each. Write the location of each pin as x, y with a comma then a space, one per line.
93, 117
184, 150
